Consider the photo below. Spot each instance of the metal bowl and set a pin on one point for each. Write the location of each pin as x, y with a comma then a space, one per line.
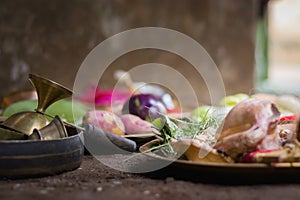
35, 158
48, 92
6, 134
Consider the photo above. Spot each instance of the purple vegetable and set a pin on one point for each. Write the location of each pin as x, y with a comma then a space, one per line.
146, 106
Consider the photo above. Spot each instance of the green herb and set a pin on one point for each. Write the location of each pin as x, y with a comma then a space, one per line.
172, 128
183, 129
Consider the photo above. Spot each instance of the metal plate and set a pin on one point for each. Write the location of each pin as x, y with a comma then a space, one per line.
29, 158
224, 173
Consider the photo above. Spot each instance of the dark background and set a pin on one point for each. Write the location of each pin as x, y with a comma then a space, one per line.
52, 38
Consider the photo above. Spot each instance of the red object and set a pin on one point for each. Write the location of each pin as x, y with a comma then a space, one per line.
174, 111
287, 118
104, 97
249, 158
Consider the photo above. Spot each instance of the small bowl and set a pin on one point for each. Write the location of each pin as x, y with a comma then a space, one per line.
25, 122
6, 134
54, 130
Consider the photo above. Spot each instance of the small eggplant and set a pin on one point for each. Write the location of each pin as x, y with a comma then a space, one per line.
146, 106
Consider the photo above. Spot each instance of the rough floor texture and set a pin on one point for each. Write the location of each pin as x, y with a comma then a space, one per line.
93, 180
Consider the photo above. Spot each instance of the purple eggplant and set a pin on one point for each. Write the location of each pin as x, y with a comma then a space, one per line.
146, 106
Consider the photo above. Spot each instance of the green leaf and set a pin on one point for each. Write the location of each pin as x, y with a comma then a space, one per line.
158, 123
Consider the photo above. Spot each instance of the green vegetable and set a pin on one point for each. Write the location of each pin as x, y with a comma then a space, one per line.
62, 108
202, 113
234, 99
206, 113
158, 123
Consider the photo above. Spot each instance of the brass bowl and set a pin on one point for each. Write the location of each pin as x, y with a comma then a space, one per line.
48, 92
26, 122
6, 134
55, 130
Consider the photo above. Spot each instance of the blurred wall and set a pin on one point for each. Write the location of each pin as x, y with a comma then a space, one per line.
52, 38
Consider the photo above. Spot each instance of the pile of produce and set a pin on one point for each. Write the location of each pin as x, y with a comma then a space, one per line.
243, 128
257, 128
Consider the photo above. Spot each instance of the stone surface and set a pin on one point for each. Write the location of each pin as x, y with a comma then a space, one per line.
52, 38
